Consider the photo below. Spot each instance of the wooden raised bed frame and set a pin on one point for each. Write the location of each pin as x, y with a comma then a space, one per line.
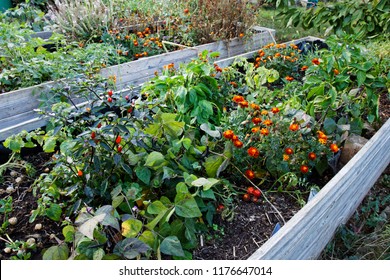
17, 107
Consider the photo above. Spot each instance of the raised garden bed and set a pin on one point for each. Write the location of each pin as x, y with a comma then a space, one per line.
298, 238
17, 107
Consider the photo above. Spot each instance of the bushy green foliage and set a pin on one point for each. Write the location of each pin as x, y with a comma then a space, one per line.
362, 18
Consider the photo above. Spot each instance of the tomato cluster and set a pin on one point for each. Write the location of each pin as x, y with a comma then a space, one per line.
252, 194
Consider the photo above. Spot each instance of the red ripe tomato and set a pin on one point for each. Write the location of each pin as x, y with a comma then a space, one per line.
246, 197
257, 193
312, 156
93, 134
118, 139
119, 149
334, 148
250, 174
255, 199
250, 190
304, 168
220, 208
110, 93
109, 100
288, 151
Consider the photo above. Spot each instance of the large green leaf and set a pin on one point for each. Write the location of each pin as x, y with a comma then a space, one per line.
88, 227
155, 160
130, 248
205, 183
156, 207
329, 125
143, 173
186, 206
171, 246
159, 209
171, 127
54, 212
60, 252
212, 164
50, 144
148, 238
68, 232
213, 133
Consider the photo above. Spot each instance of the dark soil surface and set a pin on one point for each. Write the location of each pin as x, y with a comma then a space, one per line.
251, 227
23, 202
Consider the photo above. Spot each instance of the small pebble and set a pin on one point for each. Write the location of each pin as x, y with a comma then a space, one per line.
38, 227
14, 173
7, 250
46, 170
18, 180
10, 189
31, 241
12, 221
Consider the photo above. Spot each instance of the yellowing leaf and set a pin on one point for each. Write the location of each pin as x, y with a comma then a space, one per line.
131, 228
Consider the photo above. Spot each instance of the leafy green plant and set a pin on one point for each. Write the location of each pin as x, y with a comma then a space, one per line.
349, 87
25, 61
20, 250
127, 154
27, 14
363, 18
5, 209
191, 91
268, 142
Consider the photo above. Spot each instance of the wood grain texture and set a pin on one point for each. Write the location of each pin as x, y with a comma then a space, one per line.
309, 231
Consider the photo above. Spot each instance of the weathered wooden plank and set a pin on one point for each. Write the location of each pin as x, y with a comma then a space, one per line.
42, 34
310, 230
140, 70
27, 125
137, 71
20, 101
